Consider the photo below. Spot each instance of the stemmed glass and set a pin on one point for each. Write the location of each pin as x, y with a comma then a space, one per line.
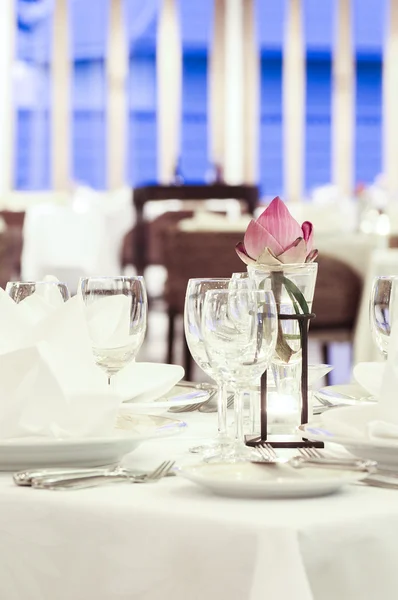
382, 301
116, 312
194, 299
239, 330
53, 292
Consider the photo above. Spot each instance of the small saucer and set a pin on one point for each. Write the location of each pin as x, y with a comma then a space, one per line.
248, 480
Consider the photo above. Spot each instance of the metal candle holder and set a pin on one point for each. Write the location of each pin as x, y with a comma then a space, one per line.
288, 441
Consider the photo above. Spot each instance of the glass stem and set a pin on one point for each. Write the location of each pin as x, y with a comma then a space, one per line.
109, 379
222, 409
239, 398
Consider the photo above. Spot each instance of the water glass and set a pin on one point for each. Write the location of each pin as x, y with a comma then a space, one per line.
194, 300
116, 312
239, 330
53, 292
382, 302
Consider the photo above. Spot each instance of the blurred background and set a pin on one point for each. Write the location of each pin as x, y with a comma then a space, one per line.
142, 135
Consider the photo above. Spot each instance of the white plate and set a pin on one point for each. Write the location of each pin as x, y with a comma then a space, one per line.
336, 429
179, 395
130, 432
247, 480
144, 382
350, 393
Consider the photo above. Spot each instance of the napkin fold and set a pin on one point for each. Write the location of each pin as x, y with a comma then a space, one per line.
370, 376
378, 421
109, 321
388, 405
49, 383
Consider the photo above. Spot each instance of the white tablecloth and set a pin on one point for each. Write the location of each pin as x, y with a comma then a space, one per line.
173, 541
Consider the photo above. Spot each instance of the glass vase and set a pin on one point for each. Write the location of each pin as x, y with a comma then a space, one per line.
293, 287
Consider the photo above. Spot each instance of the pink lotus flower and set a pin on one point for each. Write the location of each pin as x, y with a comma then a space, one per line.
276, 238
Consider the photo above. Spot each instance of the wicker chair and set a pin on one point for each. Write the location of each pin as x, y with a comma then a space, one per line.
194, 254
10, 255
336, 301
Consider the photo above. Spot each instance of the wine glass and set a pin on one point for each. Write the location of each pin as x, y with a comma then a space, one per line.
239, 331
382, 315
54, 292
194, 299
116, 312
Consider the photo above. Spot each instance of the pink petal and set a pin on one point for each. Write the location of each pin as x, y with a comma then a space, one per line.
241, 252
308, 232
257, 238
280, 224
296, 253
311, 256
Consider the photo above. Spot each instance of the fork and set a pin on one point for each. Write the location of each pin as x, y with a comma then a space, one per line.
84, 481
310, 457
210, 408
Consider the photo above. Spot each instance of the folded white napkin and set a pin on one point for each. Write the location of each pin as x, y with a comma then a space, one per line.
49, 383
145, 382
376, 421
370, 375
109, 321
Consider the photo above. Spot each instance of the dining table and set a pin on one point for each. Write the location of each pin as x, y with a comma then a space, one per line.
173, 540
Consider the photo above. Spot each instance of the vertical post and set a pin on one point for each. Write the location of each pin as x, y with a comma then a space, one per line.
216, 86
169, 90
251, 86
390, 100
343, 95
61, 126
293, 80
8, 24
263, 408
234, 93
117, 106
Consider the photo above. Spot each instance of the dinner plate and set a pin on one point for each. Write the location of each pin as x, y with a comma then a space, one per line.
382, 450
347, 394
130, 431
144, 382
247, 480
179, 395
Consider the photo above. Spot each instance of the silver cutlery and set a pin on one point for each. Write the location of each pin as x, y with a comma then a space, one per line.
192, 407
25, 478
62, 482
382, 478
210, 408
311, 457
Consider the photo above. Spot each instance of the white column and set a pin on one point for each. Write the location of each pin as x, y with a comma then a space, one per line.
8, 26
293, 82
251, 85
117, 69
343, 98
169, 90
390, 100
216, 86
61, 122
234, 137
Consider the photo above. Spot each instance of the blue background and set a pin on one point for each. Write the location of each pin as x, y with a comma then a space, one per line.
88, 26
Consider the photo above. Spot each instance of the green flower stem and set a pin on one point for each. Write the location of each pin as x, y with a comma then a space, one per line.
278, 279
283, 349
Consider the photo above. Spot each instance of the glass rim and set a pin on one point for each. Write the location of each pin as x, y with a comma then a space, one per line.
37, 283
282, 267
239, 291
110, 278
386, 277
209, 279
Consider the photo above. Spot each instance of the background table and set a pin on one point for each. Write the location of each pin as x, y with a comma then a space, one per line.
173, 541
